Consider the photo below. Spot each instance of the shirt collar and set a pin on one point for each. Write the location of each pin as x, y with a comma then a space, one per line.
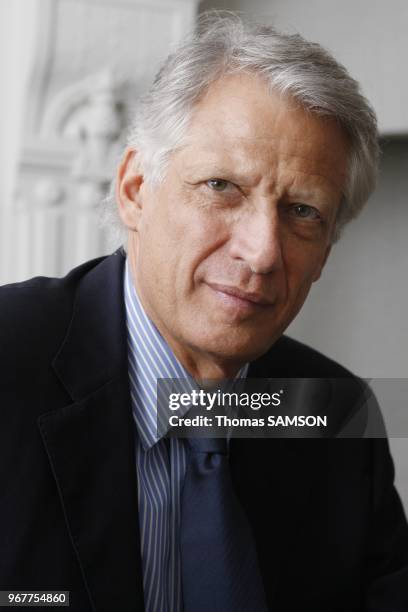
150, 358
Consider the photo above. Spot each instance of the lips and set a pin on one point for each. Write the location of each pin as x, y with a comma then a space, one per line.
252, 297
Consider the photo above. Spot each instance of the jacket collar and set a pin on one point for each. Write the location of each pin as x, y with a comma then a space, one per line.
94, 349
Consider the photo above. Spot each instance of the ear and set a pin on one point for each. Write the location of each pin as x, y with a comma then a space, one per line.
319, 270
129, 181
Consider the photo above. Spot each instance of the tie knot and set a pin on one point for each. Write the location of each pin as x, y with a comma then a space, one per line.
208, 445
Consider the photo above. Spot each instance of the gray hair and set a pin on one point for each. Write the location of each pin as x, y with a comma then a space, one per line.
224, 44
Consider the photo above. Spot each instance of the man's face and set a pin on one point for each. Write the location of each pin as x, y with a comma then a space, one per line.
225, 249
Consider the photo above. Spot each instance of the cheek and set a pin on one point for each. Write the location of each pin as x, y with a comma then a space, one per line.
199, 232
157, 253
303, 263
176, 237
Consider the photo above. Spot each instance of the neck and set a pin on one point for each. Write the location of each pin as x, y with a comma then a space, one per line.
205, 367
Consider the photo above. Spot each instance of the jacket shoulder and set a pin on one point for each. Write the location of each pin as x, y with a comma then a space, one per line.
34, 314
310, 360
45, 283
293, 359
354, 412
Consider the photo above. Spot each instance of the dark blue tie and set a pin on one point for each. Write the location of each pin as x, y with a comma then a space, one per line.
219, 562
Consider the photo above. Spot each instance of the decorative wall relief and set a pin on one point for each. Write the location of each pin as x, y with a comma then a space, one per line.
93, 58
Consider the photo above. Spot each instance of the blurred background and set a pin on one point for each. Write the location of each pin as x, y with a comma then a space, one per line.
71, 71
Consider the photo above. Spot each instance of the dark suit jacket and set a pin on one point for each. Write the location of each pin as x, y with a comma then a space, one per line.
329, 526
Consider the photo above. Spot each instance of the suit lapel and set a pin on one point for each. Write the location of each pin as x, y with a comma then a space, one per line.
90, 443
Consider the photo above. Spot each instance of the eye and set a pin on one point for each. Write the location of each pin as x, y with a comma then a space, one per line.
218, 184
304, 211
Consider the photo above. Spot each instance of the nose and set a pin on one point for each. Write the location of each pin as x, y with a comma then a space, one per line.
257, 241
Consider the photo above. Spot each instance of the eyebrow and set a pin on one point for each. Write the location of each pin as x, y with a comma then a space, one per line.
209, 169
215, 171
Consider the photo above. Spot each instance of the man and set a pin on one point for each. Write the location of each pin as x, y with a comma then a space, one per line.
249, 153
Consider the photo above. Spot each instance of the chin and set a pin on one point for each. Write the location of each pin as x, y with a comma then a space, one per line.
237, 346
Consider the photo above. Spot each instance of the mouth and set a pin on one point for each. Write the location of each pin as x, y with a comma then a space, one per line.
236, 298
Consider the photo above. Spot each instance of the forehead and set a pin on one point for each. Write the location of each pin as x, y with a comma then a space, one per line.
242, 121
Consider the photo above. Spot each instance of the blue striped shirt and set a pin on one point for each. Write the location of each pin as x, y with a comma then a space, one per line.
160, 463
